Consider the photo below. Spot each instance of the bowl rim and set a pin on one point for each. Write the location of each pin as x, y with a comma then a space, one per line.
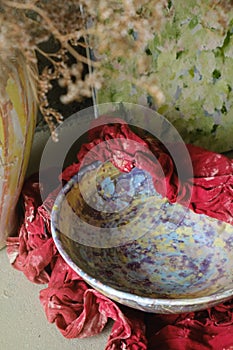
119, 295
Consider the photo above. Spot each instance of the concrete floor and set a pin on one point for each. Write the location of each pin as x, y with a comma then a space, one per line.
23, 324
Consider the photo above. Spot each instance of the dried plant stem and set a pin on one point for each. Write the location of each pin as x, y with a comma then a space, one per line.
62, 39
47, 55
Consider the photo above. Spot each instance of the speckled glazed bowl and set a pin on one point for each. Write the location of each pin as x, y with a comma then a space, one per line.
130, 244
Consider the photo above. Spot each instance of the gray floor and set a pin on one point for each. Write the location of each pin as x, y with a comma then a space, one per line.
23, 324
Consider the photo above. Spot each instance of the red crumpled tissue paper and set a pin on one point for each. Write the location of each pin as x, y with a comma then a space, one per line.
79, 310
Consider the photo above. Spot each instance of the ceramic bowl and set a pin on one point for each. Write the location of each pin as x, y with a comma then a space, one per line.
133, 246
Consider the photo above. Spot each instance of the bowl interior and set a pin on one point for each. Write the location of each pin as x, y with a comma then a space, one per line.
136, 242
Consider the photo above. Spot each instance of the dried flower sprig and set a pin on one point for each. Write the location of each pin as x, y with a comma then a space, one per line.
119, 31
25, 26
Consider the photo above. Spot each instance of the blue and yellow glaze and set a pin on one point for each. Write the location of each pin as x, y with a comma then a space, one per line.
167, 251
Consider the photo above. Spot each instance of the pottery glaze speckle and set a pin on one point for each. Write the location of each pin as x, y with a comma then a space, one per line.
163, 257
